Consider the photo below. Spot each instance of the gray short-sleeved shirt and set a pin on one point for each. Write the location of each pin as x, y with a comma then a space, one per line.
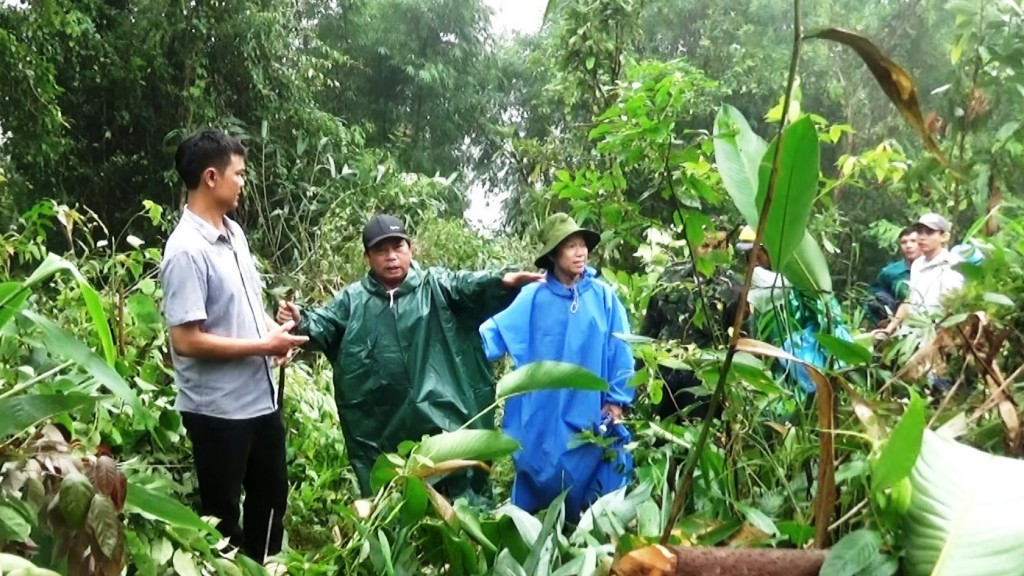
210, 277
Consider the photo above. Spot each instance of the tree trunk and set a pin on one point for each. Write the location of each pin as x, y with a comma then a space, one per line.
678, 561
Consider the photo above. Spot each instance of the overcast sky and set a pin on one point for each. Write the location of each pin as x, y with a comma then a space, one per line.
517, 15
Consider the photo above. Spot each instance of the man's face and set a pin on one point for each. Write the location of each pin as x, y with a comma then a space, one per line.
389, 260
930, 241
909, 246
227, 184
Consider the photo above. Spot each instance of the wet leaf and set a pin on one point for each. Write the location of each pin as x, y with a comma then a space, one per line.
105, 524
894, 81
441, 505
184, 565
467, 445
900, 452
20, 412
852, 554
548, 375
76, 494
109, 480
166, 508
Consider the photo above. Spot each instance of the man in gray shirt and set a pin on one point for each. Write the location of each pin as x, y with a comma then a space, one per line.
222, 346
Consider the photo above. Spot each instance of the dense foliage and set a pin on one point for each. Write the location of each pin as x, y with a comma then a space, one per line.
626, 114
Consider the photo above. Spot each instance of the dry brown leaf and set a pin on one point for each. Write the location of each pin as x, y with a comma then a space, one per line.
893, 79
441, 504
450, 466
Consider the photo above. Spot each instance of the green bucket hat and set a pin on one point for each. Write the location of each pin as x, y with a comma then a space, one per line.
557, 228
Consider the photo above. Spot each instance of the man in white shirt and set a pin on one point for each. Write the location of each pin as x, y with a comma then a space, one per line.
932, 276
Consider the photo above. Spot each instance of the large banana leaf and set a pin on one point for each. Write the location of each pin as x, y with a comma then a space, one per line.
966, 514
796, 185
548, 375
744, 162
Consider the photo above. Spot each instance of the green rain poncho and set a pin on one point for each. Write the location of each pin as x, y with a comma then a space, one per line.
407, 363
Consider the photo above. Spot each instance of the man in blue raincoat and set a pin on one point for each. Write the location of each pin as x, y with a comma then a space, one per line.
570, 317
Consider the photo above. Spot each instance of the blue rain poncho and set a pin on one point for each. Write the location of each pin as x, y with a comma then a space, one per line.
549, 321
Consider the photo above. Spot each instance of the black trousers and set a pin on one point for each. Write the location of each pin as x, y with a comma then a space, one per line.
230, 455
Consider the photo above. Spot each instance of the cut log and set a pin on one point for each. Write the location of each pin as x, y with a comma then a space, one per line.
683, 561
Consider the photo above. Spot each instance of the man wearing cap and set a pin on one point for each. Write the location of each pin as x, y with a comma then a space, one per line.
932, 276
892, 285
404, 346
571, 317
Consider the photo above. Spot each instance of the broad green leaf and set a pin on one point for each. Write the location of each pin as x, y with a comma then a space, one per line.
548, 375
104, 524
20, 412
184, 565
467, 445
14, 526
901, 449
166, 508
758, 519
965, 512
414, 504
796, 186
471, 523
54, 264
12, 297
849, 353
808, 268
528, 525
100, 322
852, 554
738, 153
62, 343
250, 566
505, 564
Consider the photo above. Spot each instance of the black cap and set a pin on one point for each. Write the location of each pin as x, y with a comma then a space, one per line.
382, 226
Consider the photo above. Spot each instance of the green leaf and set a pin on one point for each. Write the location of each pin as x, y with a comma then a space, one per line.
808, 268
20, 412
414, 505
54, 264
100, 322
505, 564
852, 554
849, 353
14, 526
62, 343
997, 299
105, 525
796, 186
467, 445
738, 153
166, 508
12, 297
901, 449
548, 375
758, 519
471, 524
965, 512
184, 565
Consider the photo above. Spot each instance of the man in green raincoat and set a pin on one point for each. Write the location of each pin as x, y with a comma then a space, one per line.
404, 345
